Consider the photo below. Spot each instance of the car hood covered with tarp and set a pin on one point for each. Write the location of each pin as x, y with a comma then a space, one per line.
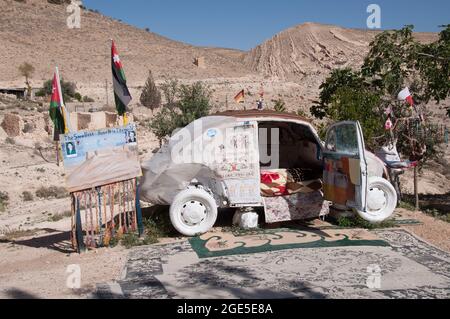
189, 157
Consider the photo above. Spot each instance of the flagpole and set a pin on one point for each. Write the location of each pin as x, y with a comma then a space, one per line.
66, 114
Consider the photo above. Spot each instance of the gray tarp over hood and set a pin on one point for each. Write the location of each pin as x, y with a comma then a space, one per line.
164, 177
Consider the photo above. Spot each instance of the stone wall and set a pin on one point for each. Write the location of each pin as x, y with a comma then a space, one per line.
12, 124
94, 121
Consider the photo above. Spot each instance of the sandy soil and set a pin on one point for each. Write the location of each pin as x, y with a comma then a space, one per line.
432, 230
35, 267
40, 272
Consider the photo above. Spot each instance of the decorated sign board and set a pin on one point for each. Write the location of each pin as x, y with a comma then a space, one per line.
97, 158
237, 163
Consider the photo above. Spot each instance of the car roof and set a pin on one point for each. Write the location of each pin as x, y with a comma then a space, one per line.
264, 114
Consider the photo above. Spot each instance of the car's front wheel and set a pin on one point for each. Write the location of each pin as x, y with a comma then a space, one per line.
193, 212
381, 201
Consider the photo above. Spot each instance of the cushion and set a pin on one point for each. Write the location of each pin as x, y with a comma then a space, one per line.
283, 182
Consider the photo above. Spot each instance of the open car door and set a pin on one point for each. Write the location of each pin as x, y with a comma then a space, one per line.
345, 166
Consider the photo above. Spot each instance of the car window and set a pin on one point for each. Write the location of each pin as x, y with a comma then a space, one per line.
343, 139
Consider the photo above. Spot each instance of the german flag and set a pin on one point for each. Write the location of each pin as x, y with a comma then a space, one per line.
240, 97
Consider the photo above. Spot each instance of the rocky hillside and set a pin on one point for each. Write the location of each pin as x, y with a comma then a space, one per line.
313, 49
36, 31
290, 66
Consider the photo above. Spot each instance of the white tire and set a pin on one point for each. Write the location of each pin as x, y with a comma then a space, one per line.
193, 212
381, 201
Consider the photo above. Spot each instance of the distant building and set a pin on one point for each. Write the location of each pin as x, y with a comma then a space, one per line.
19, 92
200, 62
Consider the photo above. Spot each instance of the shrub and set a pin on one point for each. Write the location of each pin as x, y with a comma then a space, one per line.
78, 97
4, 199
10, 140
28, 128
51, 192
68, 89
87, 99
58, 217
184, 104
280, 106
27, 196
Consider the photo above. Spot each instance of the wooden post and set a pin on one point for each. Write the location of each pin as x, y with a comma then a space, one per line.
416, 188
57, 152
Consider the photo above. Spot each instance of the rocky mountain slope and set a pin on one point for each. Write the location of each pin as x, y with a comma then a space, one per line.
313, 49
36, 31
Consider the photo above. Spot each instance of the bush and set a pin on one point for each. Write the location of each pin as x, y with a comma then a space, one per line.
78, 97
27, 196
157, 226
59, 2
68, 90
51, 192
10, 140
280, 106
87, 99
58, 217
4, 199
185, 104
28, 128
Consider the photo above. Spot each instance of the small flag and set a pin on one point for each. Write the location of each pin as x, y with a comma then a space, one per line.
405, 95
388, 125
240, 97
56, 108
122, 95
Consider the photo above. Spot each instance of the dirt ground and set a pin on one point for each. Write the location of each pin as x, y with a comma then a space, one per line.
36, 266
40, 272
432, 230
34, 248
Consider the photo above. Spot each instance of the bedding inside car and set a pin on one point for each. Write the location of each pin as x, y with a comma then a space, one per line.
283, 182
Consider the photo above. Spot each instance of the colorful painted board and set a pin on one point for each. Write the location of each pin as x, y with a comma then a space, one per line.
97, 158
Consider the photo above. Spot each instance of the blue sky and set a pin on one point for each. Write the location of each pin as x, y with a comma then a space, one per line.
246, 23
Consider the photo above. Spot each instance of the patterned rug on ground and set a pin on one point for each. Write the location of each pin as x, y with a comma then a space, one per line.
216, 244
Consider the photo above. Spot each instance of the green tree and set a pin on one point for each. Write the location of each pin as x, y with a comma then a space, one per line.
194, 103
150, 97
338, 79
395, 60
170, 89
184, 104
163, 124
358, 105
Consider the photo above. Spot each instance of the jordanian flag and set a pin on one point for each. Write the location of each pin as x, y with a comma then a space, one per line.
56, 112
122, 95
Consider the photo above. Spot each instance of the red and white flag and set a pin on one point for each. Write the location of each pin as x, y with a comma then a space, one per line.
405, 95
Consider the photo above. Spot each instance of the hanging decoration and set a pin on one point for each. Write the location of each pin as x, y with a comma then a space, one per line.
388, 125
406, 96
103, 214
